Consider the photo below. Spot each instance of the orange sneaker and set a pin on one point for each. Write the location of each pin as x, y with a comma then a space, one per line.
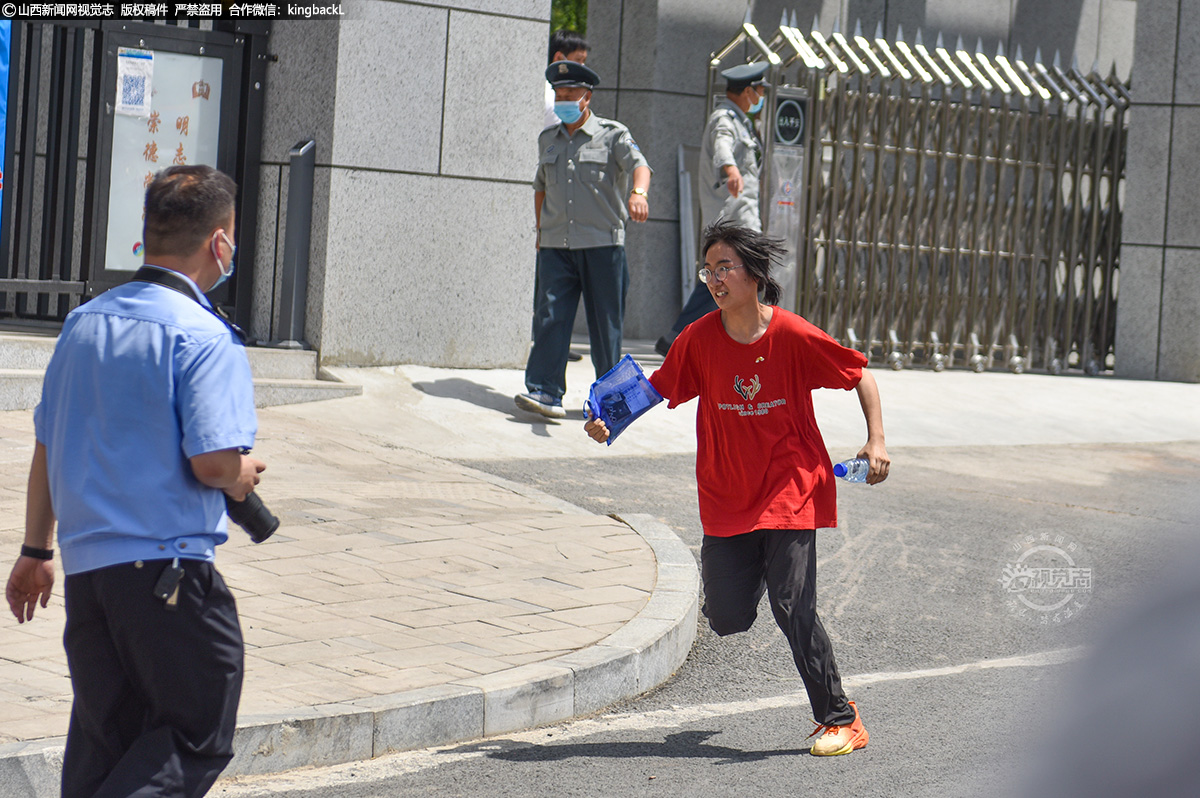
840, 739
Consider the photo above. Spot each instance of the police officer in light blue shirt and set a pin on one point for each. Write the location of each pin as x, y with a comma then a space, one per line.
147, 409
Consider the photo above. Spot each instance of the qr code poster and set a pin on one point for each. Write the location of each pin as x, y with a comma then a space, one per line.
135, 70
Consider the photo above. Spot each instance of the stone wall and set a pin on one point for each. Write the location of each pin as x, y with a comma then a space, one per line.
1158, 322
425, 117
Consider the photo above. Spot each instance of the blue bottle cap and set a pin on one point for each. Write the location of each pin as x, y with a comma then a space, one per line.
839, 469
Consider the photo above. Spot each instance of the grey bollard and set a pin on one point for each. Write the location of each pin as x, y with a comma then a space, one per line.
294, 288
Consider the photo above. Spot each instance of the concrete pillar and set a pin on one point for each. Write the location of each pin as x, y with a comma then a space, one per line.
426, 117
1158, 312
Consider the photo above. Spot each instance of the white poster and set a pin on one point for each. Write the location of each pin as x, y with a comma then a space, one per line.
135, 73
181, 125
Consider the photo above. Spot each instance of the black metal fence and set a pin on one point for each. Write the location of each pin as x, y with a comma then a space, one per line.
962, 210
59, 135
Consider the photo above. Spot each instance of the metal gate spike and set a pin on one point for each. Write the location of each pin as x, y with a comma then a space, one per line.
783, 18
939, 258
793, 17
746, 21
918, 42
1095, 67
837, 24
816, 22
1057, 62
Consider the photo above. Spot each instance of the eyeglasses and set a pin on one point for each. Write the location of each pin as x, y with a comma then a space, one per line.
721, 272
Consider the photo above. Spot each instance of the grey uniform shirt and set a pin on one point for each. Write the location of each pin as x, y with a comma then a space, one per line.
586, 178
729, 139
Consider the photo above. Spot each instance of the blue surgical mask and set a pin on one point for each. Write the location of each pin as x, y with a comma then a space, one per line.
758, 106
568, 111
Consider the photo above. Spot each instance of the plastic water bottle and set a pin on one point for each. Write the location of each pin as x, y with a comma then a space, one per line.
853, 470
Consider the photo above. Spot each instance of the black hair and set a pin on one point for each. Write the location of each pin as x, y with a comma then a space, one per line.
184, 204
566, 41
756, 250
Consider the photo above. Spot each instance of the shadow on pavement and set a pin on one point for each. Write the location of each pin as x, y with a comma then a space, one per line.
684, 745
457, 388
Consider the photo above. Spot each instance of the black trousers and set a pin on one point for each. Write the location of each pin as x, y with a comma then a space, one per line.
156, 691
783, 562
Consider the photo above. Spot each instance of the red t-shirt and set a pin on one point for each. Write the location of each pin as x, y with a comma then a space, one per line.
760, 460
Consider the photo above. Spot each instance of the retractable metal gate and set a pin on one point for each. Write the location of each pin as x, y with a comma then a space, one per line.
961, 210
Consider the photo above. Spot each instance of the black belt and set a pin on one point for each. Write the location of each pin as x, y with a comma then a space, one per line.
177, 282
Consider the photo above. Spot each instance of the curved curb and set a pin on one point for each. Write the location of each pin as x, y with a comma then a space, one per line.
638, 657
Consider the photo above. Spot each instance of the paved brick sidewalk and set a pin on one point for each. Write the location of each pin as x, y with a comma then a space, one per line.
392, 571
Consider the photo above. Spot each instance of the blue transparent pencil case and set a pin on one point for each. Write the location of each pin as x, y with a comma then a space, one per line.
621, 396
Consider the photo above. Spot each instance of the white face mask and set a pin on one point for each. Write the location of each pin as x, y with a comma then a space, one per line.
225, 275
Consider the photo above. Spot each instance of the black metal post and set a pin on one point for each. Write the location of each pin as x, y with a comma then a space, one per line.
303, 158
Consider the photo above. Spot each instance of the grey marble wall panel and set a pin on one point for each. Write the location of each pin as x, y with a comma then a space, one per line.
654, 294
604, 36
988, 21
1147, 152
390, 65
1153, 72
300, 88
1064, 26
495, 89
266, 284
870, 12
640, 59
531, 9
1118, 20
1183, 203
660, 123
426, 270
1138, 311
1179, 348
906, 14
1187, 64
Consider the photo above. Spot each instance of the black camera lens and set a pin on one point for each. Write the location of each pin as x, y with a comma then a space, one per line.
253, 516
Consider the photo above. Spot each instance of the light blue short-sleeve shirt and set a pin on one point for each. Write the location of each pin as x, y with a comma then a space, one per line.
142, 379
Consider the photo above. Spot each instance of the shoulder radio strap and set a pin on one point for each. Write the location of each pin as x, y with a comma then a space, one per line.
177, 282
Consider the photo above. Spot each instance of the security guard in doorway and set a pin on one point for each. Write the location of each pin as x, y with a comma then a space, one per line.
591, 179
730, 157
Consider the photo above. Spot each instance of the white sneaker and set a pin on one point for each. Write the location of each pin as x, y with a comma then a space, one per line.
541, 403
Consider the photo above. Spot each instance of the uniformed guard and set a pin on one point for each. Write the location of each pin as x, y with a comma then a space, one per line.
730, 156
591, 179
146, 416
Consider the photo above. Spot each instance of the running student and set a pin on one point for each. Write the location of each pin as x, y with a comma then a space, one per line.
764, 476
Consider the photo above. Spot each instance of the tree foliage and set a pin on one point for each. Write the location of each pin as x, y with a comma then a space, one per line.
569, 14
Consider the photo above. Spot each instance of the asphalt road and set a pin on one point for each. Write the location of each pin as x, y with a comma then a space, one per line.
959, 692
